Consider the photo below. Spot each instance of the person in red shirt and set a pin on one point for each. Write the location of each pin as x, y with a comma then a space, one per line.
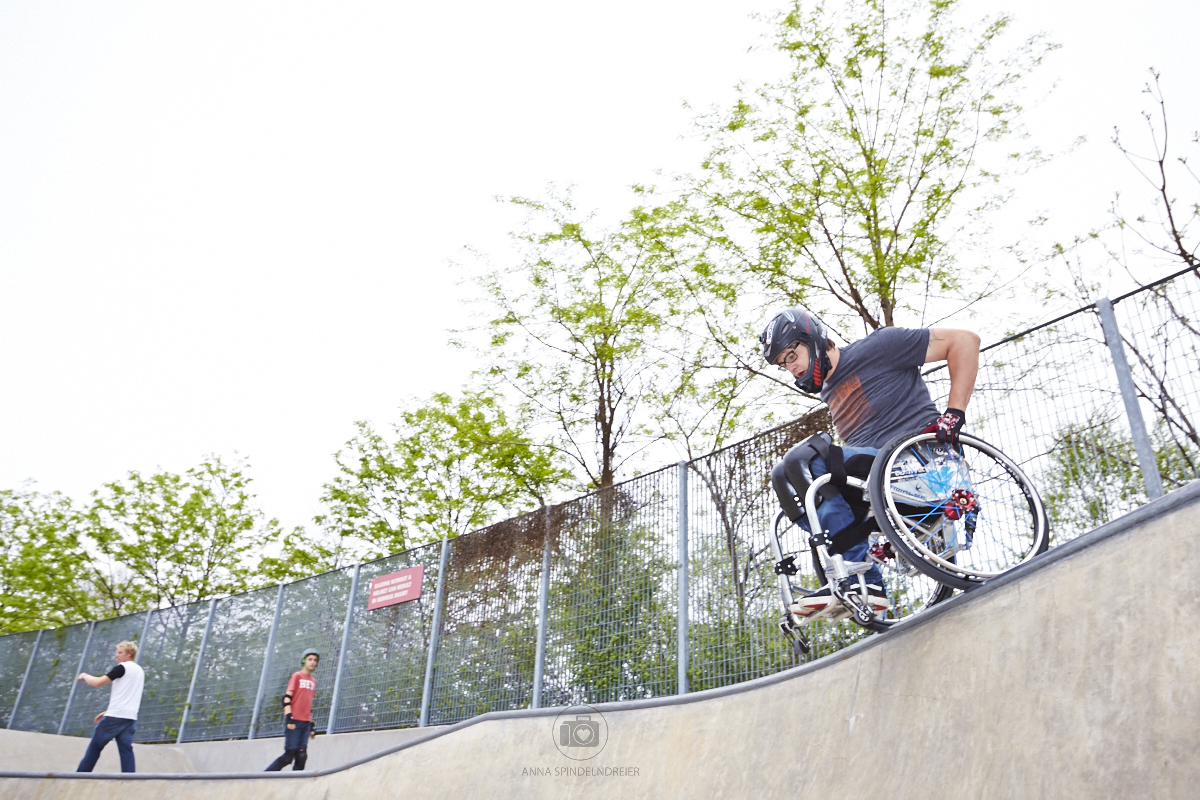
297, 714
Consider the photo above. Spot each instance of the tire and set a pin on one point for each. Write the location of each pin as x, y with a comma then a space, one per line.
910, 591
911, 486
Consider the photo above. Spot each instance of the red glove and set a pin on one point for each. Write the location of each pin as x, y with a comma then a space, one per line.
947, 426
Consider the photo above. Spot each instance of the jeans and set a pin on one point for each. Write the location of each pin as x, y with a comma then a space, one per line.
295, 746
107, 729
835, 514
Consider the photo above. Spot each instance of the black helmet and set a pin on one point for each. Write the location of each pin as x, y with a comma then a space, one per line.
310, 652
797, 325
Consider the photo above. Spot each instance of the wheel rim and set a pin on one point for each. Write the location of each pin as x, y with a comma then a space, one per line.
924, 477
910, 591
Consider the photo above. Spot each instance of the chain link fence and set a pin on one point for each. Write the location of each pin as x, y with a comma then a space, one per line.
611, 626
15, 652
582, 602
485, 650
168, 657
1161, 334
733, 615
49, 679
1051, 399
384, 671
227, 677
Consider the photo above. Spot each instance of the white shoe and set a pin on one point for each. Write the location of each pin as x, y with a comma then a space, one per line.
810, 604
877, 599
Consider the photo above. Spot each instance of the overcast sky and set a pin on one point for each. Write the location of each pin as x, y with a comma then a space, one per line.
227, 227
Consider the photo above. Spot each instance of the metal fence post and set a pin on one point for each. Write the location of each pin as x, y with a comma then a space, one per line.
341, 667
25, 680
1137, 426
187, 707
434, 630
262, 678
682, 572
71, 696
145, 632
539, 662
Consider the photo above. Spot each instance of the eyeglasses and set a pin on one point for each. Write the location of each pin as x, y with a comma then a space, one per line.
789, 356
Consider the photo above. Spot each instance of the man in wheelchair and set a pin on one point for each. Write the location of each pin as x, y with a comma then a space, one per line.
874, 391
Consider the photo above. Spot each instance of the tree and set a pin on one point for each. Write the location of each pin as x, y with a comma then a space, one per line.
576, 333
46, 580
845, 186
1166, 234
168, 539
1094, 475
1167, 229
1160, 333
451, 466
1163, 229
862, 165
713, 387
625, 342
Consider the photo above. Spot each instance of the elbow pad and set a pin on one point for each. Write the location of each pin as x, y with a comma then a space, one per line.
287, 700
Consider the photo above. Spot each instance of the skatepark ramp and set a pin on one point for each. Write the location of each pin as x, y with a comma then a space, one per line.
1071, 676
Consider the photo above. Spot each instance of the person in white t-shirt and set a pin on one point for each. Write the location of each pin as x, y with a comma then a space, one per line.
119, 720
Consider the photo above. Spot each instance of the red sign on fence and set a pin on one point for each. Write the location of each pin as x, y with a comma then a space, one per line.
398, 587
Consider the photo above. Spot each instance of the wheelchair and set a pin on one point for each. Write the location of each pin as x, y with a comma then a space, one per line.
937, 518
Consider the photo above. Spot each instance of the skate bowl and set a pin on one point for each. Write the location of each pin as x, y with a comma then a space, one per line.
1071, 676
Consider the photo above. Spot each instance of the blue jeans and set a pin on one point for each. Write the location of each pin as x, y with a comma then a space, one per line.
835, 514
295, 747
107, 729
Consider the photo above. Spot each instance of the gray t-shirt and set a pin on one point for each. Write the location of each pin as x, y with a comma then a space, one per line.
876, 392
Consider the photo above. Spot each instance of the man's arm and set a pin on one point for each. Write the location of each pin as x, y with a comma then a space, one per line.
95, 681
960, 350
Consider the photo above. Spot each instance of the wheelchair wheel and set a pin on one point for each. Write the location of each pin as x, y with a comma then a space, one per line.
910, 591
960, 515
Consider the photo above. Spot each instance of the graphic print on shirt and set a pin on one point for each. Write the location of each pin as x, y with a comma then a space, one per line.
849, 406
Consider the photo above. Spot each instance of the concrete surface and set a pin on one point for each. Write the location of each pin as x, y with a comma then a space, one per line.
43, 752
1071, 677
325, 751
